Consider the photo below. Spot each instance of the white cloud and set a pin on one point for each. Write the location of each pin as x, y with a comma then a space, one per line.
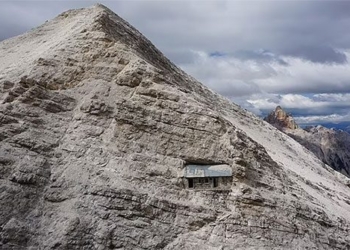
294, 76
316, 119
304, 87
333, 97
302, 76
288, 101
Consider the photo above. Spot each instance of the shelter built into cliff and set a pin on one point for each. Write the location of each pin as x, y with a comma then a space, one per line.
207, 176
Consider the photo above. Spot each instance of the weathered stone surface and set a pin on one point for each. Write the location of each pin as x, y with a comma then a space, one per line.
96, 125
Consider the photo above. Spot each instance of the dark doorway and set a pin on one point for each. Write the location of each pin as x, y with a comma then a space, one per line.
190, 183
215, 182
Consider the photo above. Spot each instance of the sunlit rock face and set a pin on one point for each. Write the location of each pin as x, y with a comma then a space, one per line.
280, 119
97, 127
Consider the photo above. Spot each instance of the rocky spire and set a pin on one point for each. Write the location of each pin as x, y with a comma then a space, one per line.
281, 119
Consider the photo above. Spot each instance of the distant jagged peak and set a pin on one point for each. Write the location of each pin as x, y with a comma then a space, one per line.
281, 119
314, 128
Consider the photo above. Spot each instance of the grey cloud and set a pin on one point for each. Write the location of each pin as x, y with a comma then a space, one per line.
327, 110
293, 28
10, 26
10, 30
304, 106
317, 53
233, 88
17, 17
181, 57
287, 28
261, 56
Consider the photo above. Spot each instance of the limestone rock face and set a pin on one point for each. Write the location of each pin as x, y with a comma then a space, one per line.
280, 119
96, 125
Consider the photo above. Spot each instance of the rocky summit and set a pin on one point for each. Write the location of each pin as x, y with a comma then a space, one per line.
105, 144
280, 119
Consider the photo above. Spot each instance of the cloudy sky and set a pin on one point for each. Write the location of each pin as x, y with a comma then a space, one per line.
257, 53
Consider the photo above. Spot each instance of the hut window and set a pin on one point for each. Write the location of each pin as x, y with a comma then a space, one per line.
190, 183
215, 182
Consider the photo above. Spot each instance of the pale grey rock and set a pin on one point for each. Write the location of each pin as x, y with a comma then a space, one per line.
96, 124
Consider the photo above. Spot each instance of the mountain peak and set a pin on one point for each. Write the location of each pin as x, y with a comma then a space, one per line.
281, 119
105, 144
279, 108
94, 35
100, 6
